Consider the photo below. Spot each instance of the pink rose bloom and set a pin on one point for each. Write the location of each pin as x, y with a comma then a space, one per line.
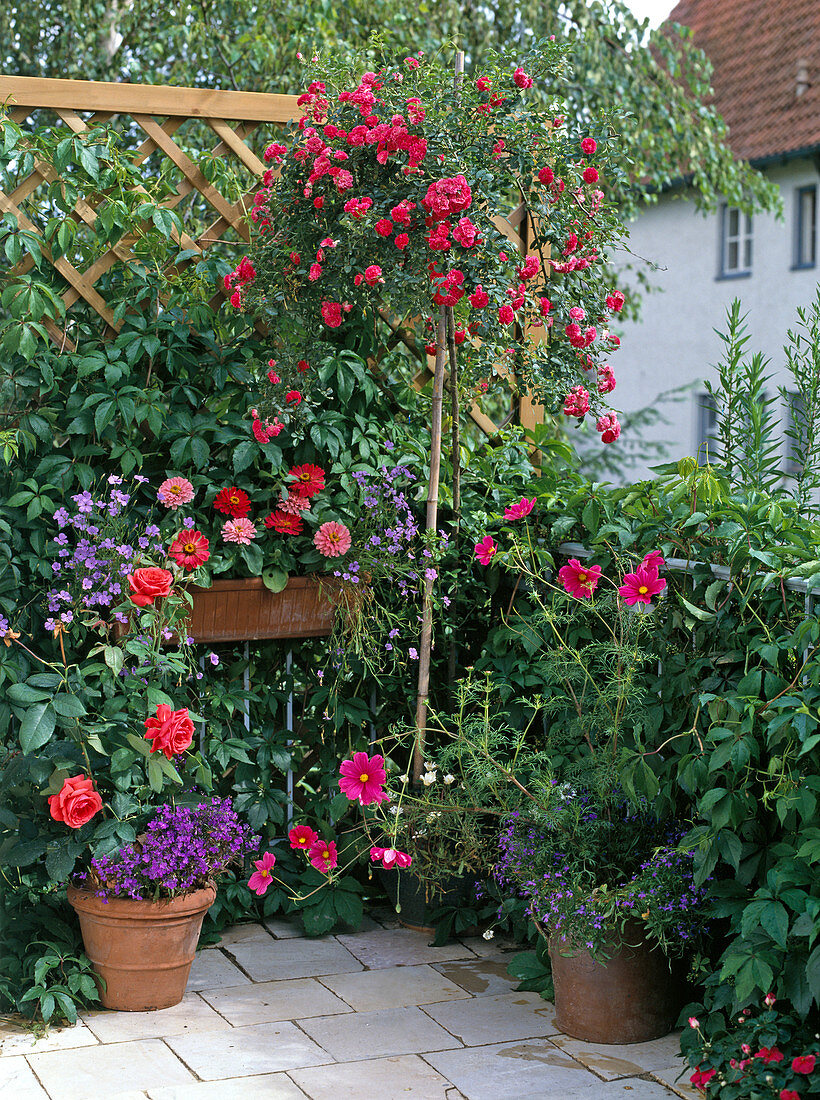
323, 855
518, 511
175, 491
609, 428
242, 531
332, 539
579, 580
521, 79
576, 403
390, 857
261, 878
373, 275
363, 778
485, 549
506, 315
803, 1063
589, 145
641, 586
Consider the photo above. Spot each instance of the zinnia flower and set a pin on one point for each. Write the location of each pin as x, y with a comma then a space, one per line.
323, 855
286, 523
239, 530
175, 491
302, 838
390, 857
332, 539
485, 549
363, 778
641, 586
579, 580
189, 549
293, 504
233, 502
261, 878
309, 479
518, 511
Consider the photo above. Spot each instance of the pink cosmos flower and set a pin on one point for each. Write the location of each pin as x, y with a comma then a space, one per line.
390, 857
261, 878
518, 511
323, 855
641, 586
655, 561
175, 491
485, 549
363, 778
332, 539
239, 530
579, 580
302, 838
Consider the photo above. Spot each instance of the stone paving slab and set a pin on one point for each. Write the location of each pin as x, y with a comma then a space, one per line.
631, 1060
18, 1081
16, 1040
400, 947
243, 933
211, 969
669, 1077
77, 1075
246, 1051
192, 1014
499, 1019
480, 977
292, 958
267, 1086
267, 1002
405, 1077
365, 1035
397, 987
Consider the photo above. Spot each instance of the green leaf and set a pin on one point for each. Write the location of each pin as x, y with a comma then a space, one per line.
349, 907
139, 744
154, 774
698, 612
23, 693
60, 861
274, 578
113, 658
37, 727
68, 706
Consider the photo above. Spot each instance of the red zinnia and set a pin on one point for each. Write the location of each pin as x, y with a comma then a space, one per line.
302, 838
286, 523
233, 502
309, 479
189, 549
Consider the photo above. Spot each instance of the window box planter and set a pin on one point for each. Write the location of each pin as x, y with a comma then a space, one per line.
243, 609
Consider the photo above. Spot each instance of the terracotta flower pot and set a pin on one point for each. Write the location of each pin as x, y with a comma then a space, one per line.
143, 949
634, 997
417, 900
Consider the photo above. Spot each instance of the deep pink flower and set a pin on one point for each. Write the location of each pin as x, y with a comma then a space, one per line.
363, 778
641, 586
518, 511
576, 403
590, 175
589, 145
521, 79
804, 1063
175, 491
769, 1054
701, 1077
485, 549
506, 315
261, 878
653, 560
609, 427
579, 580
786, 1094
390, 857
302, 838
323, 855
332, 539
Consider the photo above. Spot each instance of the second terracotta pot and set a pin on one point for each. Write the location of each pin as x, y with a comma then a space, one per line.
142, 949
633, 997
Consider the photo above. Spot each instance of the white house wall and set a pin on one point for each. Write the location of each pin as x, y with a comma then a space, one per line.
674, 343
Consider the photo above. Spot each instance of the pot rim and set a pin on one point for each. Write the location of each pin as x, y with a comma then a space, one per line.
84, 900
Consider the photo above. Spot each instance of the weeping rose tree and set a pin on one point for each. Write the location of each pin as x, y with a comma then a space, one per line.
390, 196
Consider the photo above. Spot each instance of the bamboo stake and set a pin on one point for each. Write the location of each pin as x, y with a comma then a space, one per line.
455, 446
426, 640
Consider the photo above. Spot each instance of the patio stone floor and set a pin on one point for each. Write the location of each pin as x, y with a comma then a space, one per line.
378, 1013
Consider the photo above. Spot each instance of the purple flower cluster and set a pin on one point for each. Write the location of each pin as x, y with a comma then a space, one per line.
182, 848
390, 528
97, 547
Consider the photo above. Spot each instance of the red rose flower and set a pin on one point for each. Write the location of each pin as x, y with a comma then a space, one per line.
804, 1063
286, 523
293, 397
149, 584
76, 803
384, 227
189, 549
233, 502
171, 732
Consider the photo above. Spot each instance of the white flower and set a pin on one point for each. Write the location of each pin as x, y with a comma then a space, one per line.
429, 765
448, 779
432, 816
396, 810
404, 778
428, 778
488, 935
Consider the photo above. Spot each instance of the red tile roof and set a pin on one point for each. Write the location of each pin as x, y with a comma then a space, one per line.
756, 47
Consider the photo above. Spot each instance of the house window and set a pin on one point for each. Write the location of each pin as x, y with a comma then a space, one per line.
735, 243
805, 236
706, 441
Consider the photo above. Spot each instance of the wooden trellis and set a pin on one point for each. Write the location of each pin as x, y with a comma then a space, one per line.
159, 113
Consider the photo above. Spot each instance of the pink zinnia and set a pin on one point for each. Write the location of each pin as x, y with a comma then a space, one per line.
175, 491
332, 539
579, 580
485, 549
302, 838
641, 586
261, 878
294, 505
518, 511
323, 855
239, 530
390, 857
363, 778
